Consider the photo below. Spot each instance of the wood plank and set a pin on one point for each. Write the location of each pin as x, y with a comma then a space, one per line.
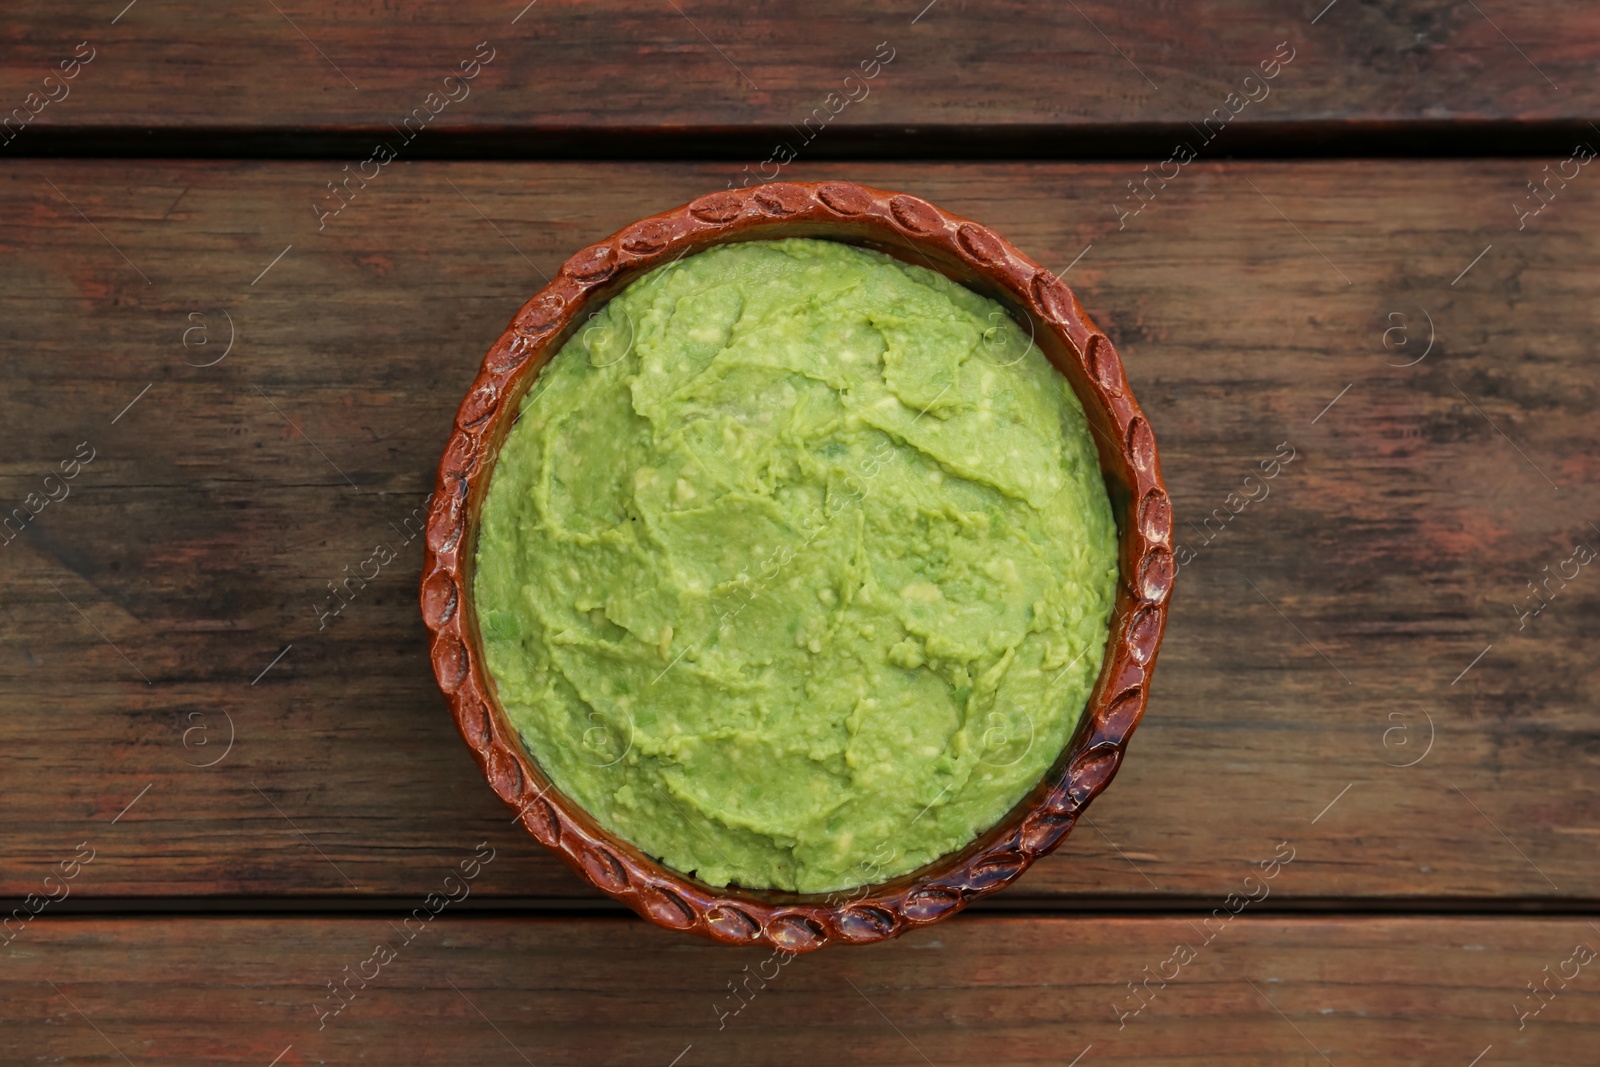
561, 66
1367, 601
996, 991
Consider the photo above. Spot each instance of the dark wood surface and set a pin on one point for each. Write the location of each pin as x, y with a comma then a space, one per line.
568, 66
197, 544
1352, 674
991, 990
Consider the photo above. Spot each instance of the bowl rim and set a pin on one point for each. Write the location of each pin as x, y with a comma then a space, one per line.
969, 253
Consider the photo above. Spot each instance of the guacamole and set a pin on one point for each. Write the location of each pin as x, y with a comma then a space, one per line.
796, 569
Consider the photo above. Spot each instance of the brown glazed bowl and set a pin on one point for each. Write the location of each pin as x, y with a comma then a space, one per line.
914, 231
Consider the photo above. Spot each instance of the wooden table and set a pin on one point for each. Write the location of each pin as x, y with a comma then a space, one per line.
251, 392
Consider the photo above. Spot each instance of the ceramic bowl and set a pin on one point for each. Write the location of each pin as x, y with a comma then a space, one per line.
915, 231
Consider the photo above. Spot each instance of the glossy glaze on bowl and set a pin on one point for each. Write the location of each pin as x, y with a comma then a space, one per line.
917, 232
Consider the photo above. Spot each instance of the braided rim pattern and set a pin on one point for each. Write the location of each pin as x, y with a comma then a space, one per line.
915, 231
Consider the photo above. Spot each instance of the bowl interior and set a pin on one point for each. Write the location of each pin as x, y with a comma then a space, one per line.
908, 250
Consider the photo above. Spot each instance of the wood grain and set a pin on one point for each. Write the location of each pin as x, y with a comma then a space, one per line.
996, 991
1313, 639
562, 67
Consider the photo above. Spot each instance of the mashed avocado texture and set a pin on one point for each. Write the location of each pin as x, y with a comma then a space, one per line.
796, 569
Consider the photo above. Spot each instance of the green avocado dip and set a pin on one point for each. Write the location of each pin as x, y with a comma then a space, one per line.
796, 569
